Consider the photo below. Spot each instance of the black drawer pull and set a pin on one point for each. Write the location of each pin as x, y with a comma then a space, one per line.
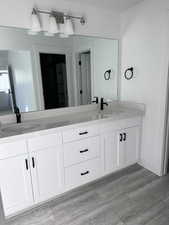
124, 136
85, 150
121, 137
85, 173
26, 163
82, 133
33, 162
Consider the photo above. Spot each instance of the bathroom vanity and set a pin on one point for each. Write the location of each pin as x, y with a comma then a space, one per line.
64, 141
44, 158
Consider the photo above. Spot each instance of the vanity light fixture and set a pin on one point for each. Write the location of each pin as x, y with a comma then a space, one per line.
58, 23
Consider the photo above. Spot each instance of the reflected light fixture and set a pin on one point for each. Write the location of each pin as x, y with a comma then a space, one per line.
35, 23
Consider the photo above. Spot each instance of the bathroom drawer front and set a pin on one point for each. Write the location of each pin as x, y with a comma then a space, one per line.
12, 149
80, 133
82, 150
82, 173
44, 141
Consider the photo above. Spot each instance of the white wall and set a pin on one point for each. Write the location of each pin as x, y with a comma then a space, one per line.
145, 47
104, 56
100, 22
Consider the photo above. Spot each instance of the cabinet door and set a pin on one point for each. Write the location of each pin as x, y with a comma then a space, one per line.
111, 152
131, 137
15, 184
47, 173
128, 145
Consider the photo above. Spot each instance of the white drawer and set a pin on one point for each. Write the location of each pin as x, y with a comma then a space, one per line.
80, 133
82, 173
44, 141
82, 150
12, 149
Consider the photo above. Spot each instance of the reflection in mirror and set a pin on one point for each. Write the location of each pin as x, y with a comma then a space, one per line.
39, 72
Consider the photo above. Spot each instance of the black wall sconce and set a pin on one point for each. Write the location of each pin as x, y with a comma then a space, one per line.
129, 73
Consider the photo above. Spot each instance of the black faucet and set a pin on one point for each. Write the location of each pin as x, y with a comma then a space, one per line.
102, 103
18, 114
96, 100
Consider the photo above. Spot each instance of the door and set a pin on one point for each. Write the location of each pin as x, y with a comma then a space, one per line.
54, 80
15, 184
47, 173
111, 152
85, 78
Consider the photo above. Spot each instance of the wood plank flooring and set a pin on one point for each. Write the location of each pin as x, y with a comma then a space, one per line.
133, 196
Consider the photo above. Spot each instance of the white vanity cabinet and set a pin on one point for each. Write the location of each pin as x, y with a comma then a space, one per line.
83, 160
15, 177
121, 148
31, 171
38, 167
128, 145
46, 160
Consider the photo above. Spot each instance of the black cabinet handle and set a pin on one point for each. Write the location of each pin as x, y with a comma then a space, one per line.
33, 162
26, 163
85, 150
121, 137
82, 133
124, 136
85, 173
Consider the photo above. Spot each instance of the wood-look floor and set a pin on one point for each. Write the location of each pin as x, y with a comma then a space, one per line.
133, 196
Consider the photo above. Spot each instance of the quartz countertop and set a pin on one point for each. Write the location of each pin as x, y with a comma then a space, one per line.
61, 122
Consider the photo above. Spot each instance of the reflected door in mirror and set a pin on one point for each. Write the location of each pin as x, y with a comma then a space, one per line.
85, 78
54, 80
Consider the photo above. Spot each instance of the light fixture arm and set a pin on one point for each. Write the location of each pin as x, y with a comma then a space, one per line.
59, 15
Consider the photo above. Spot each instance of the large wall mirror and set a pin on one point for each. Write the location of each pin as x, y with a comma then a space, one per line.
40, 72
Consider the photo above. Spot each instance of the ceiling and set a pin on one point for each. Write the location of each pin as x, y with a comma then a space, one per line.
115, 5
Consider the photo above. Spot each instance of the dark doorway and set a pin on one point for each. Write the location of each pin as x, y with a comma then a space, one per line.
54, 80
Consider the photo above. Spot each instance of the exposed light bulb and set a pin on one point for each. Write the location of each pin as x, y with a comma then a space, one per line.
35, 23
69, 29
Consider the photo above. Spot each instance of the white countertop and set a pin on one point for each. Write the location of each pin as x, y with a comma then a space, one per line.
71, 120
